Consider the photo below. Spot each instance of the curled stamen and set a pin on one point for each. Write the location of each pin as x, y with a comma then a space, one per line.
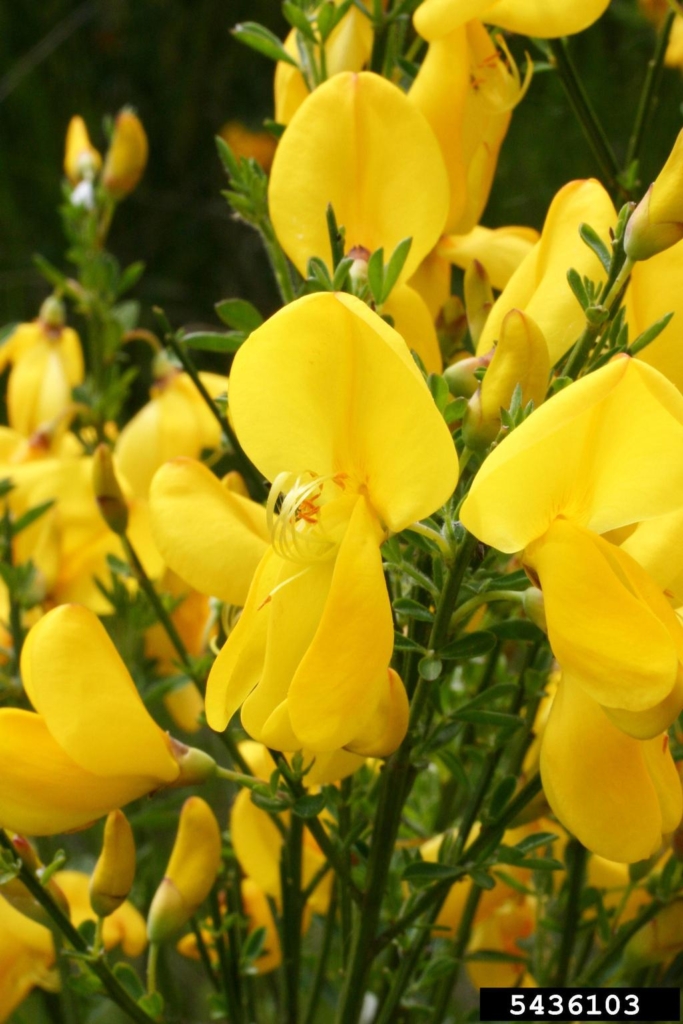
293, 514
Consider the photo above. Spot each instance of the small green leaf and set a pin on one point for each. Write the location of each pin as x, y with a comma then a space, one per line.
376, 275
592, 239
30, 517
517, 629
439, 389
341, 273
496, 719
153, 1004
214, 341
254, 945
49, 272
404, 643
240, 314
393, 269
263, 41
649, 335
326, 19
577, 286
128, 977
130, 277
412, 609
470, 645
482, 879
502, 794
310, 805
533, 842
422, 872
429, 668
298, 20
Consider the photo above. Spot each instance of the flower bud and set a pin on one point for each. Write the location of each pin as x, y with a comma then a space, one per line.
127, 155
520, 358
660, 940
478, 299
81, 159
108, 494
114, 872
52, 313
460, 376
191, 872
657, 221
534, 607
196, 766
17, 893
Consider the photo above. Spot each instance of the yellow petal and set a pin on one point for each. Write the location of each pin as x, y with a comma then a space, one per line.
547, 19
27, 955
257, 843
257, 910
499, 250
603, 453
653, 292
332, 698
432, 280
44, 792
655, 544
414, 323
79, 153
76, 680
237, 669
211, 537
125, 927
336, 150
326, 386
539, 286
601, 783
389, 723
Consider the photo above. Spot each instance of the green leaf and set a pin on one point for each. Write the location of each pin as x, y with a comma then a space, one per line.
496, 719
128, 977
9, 867
412, 609
405, 643
422, 872
153, 1004
577, 286
310, 805
49, 272
482, 879
496, 957
393, 269
297, 19
263, 41
240, 314
214, 341
130, 277
439, 389
376, 275
502, 794
326, 19
649, 335
31, 516
429, 668
341, 273
592, 239
254, 945
470, 645
518, 629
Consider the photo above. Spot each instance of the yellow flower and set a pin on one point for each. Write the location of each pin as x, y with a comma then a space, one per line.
176, 421
27, 956
499, 250
539, 286
361, 145
257, 842
657, 222
348, 48
114, 873
653, 292
81, 159
467, 90
47, 362
501, 931
233, 525
328, 404
91, 747
247, 144
660, 940
257, 910
126, 157
552, 18
190, 873
519, 359
125, 927
599, 456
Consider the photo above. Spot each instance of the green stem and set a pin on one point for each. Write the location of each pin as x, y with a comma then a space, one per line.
278, 261
292, 908
232, 997
614, 948
204, 953
585, 114
610, 298
15, 623
648, 95
152, 964
397, 781
97, 965
576, 869
462, 938
321, 966
467, 607
345, 895
245, 467
98, 942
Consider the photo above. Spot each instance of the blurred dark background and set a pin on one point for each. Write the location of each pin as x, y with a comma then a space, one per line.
176, 62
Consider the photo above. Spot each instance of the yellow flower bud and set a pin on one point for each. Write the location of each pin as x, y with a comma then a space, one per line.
81, 159
108, 494
520, 358
127, 155
478, 299
462, 382
114, 872
191, 872
657, 222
